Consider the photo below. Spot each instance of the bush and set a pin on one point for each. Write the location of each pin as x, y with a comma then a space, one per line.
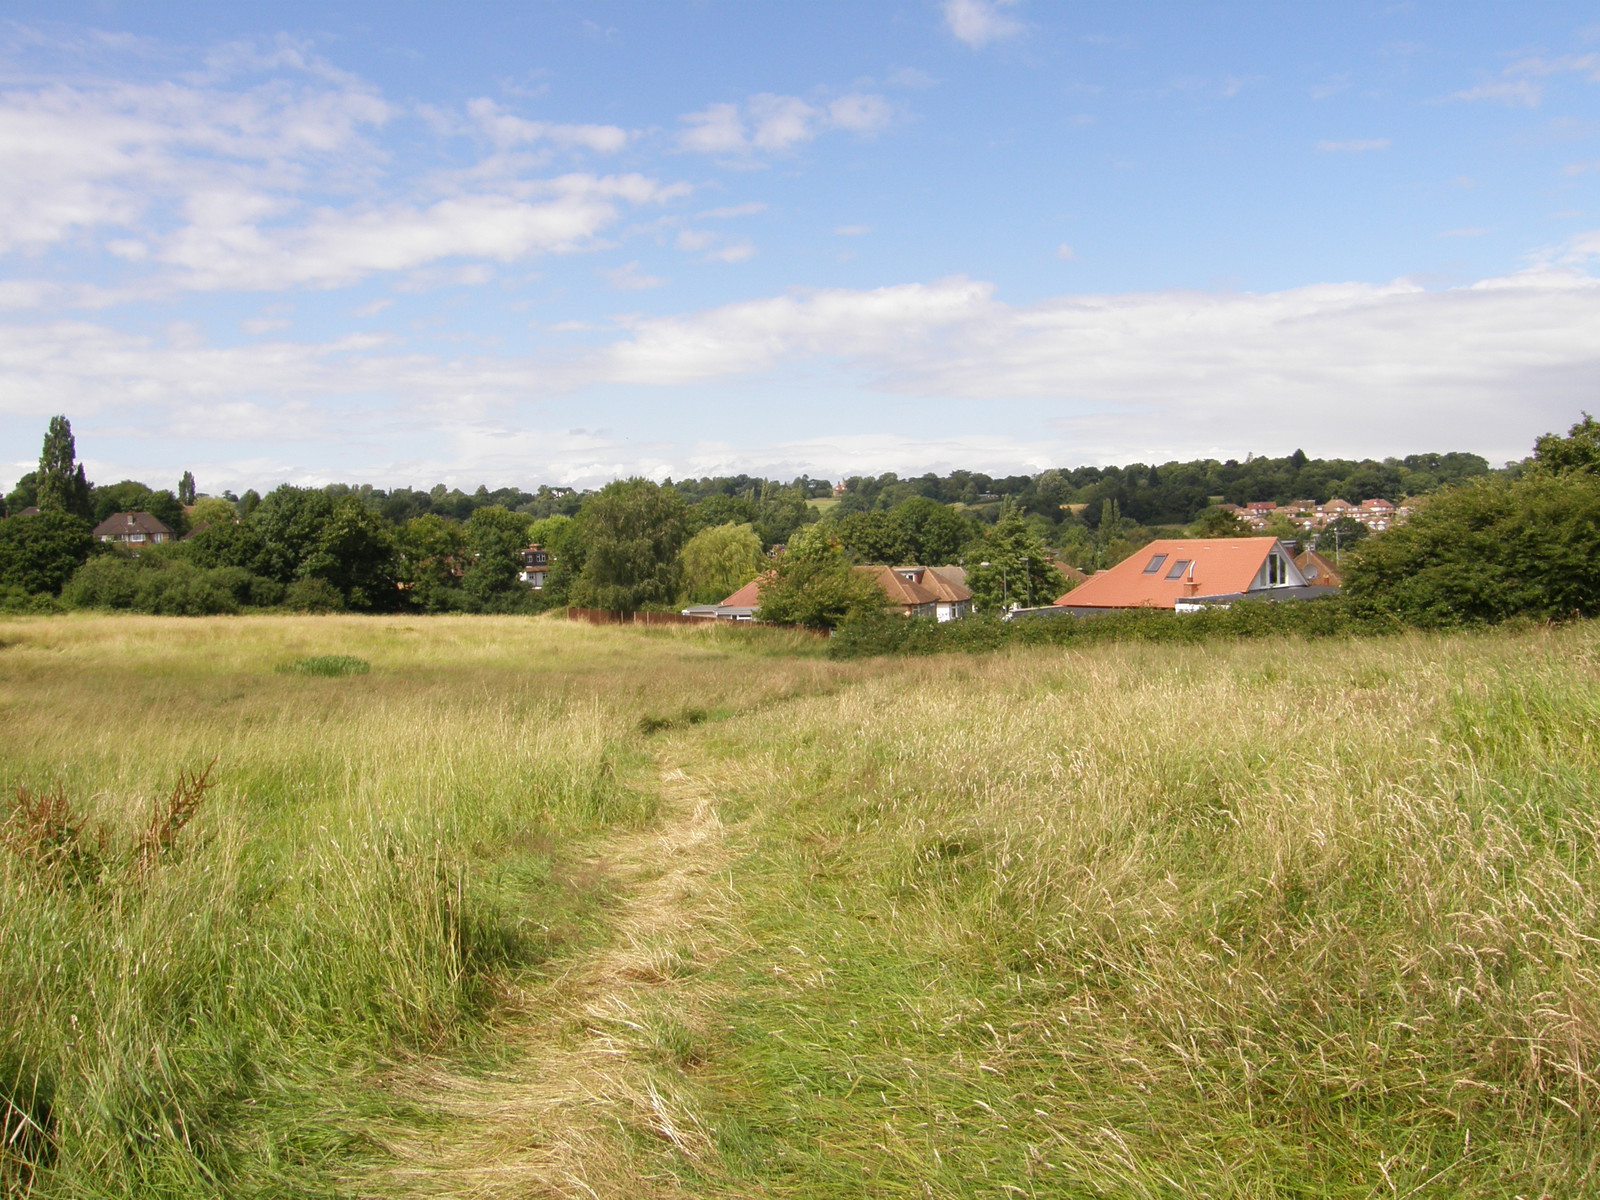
1486, 552
313, 596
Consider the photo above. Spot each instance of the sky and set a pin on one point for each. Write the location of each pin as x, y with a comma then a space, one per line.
524, 242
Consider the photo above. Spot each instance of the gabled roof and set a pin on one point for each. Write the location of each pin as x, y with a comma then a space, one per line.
123, 524
912, 587
749, 596
1319, 570
1216, 566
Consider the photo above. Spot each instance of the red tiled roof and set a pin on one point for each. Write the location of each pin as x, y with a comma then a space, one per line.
749, 596
1319, 570
1218, 566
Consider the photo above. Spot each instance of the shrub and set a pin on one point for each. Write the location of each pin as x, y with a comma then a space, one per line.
313, 596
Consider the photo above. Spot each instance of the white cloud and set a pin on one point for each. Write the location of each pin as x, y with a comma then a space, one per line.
1518, 84
769, 123
1520, 92
713, 247
853, 230
860, 112
506, 130
1349, 369
628, 278
1467, 231
1164, 371
979, 22
1066, 253
750, 209
260, 325
340, 247
1354, 146
716, 129
735, 252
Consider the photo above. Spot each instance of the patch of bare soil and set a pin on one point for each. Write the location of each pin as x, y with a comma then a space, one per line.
597, 1106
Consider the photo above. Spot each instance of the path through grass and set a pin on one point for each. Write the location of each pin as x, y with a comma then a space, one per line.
1234, 921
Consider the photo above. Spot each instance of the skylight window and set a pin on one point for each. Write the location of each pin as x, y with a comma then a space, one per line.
1178, 568
1155, 564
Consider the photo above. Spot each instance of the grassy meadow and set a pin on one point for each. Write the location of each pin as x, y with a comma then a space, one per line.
209, 1016
1258, 919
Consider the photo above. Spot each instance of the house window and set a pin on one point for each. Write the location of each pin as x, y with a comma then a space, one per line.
136, 537
1155, 564
1178, 568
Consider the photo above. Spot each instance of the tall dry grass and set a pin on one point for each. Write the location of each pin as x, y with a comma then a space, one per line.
207, 1002
1245, 921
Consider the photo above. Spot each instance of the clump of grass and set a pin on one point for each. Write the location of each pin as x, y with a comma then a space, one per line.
689, 715
329, 665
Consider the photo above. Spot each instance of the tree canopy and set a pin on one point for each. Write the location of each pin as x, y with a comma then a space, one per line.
632, 531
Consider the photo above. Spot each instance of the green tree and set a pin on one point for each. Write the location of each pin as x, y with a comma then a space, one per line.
1218, 522
814, 585
289, 521
1485, 551
61, 485
24, 495
186, 489
39, 553
354, 552
211, 510
1015, 570
719, 561
1578, 451
1340, 535
495, 539
632, 530
432, 556
928, 533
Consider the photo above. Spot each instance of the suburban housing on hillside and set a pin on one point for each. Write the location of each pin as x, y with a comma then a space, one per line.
1188, 574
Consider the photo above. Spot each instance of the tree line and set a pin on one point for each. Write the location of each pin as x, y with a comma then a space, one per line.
635, 543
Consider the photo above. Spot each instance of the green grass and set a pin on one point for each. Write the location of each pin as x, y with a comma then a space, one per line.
331, 665
374, 861
1231, 921
1249, 919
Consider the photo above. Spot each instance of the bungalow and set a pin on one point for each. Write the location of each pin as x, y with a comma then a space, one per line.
133, 529
937, 592
1192, 573
741, 606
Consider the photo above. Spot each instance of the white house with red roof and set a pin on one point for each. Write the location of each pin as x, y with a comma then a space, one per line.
1192, 573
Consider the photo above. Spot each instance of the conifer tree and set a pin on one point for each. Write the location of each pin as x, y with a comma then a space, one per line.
186, 491
62, 487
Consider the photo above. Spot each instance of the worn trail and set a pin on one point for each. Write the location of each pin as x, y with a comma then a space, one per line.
589, 1110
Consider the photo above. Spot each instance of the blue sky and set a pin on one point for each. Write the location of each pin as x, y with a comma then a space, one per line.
560, 241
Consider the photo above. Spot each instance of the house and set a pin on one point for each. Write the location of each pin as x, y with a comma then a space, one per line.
937, 592
1319, 570
534, 561
1070, 575
133, 529
741, 606
1375, 514
1192, 573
